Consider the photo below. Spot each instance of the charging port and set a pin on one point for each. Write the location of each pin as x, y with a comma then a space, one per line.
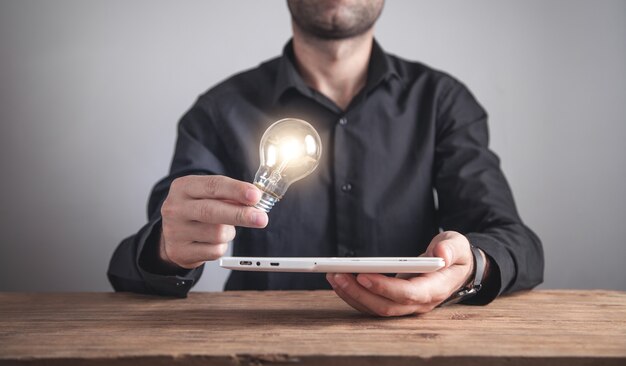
274, 264
245, 263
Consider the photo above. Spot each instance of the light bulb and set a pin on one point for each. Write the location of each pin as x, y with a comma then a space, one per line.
290, 149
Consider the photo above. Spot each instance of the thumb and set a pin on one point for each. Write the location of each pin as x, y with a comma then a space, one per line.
445, 250
453, 247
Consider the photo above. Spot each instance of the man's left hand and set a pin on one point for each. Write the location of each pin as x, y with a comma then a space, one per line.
380, 295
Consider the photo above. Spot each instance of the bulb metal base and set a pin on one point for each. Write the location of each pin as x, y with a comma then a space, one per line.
267, 202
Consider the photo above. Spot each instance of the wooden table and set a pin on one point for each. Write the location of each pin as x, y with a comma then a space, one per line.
308, 328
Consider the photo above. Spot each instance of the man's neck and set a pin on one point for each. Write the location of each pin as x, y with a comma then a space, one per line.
335, 68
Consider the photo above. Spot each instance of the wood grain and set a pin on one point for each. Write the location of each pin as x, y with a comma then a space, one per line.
308, 328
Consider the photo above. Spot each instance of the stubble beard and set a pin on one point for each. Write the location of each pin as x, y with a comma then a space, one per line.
344, 22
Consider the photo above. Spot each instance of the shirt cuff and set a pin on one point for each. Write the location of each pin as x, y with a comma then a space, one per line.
501, 271
161, 282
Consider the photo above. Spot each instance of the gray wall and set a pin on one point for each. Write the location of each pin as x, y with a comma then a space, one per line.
90, 93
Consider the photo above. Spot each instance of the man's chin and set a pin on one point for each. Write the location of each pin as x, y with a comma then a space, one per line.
336, 34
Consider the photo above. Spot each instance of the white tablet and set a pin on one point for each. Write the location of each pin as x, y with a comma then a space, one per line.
334, 264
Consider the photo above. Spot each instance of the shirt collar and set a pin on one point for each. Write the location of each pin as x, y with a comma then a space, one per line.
380, 69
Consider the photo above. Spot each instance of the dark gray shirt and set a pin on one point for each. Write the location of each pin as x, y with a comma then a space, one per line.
408, 157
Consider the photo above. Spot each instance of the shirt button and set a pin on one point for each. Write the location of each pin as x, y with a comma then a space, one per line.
343, 121
346, 187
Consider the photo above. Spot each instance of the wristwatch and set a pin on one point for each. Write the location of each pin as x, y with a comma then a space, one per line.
472, 287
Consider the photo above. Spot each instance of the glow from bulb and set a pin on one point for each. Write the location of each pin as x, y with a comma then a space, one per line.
311, 145
271, 156
290, 149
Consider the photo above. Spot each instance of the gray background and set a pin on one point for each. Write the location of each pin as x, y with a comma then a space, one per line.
91, 92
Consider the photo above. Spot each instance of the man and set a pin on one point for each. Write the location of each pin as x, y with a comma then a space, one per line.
405, 157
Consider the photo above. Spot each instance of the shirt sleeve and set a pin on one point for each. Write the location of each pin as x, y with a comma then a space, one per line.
134, 265
475, 199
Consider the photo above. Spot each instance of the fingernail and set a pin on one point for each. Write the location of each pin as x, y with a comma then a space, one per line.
364, 281
341, 281
251, 195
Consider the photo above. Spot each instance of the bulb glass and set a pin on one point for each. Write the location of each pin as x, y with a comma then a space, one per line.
290, 149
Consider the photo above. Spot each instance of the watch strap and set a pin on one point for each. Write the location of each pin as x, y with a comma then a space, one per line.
479, 267
474, 284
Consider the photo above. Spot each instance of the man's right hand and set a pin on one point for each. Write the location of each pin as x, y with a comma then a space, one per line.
199, 218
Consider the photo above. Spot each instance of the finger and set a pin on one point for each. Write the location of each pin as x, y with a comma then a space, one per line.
435, 287
190, 231
453, 247
373, 302
457, 254
344, 297
218, 187
348, 300
397, 290
191, 255
400, 290
453, 252
219, 212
